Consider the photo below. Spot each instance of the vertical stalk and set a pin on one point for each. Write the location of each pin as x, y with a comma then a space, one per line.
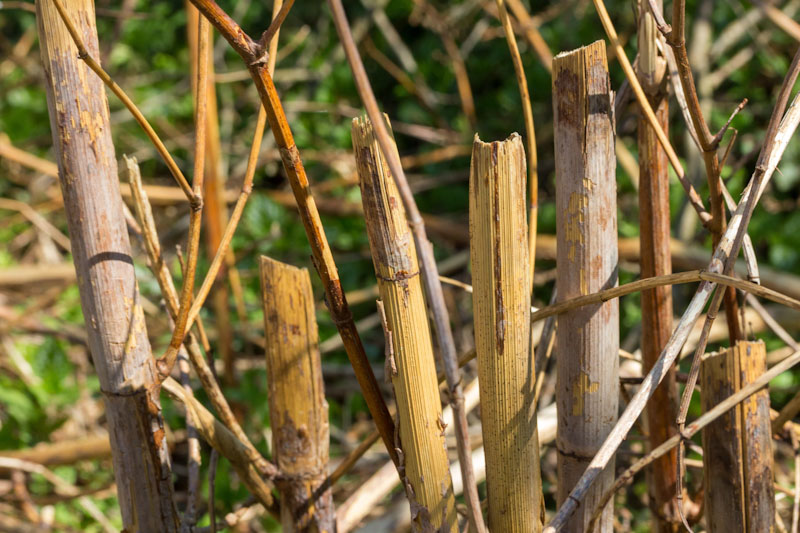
530, 132
501, 284
737, 460
586, 224
411, 364
654, 238
101, 252
757, 440
708, 145
213, 192
430, 277
722, 445
298, 411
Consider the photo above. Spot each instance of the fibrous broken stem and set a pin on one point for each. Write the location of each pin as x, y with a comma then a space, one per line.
166, 363
433, 288
530, 134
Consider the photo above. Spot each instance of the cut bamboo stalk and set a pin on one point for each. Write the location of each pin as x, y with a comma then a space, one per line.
501, 300
778, 133
737, 460
757, 443
411, 363
101, 252
722, 442
297, 408
654, 236
586, 224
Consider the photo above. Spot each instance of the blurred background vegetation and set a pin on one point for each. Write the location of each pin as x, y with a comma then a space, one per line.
48, 391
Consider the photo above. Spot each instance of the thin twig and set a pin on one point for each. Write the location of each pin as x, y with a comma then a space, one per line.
659, 281
194, 199
433, 287
167, 361
644, 105
274, 27
721, 133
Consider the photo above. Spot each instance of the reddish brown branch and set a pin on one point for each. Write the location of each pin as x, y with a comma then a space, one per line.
321, 252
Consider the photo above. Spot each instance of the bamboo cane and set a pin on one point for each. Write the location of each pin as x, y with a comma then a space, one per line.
757, 440
298, 411
588, 338
737, 460
107, 284
411, 365
501, 301
781, 127
654, 234
722, 445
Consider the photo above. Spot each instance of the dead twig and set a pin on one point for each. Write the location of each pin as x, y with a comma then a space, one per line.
167, 361
660, 281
